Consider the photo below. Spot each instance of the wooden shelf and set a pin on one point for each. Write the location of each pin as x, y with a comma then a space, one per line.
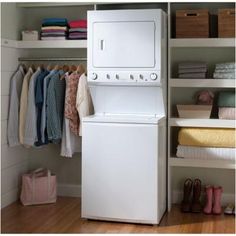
53, 44
211, 123
201, 83
221, 164
203, 42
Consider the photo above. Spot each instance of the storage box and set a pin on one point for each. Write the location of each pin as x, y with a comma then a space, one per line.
192, 23
226, 23
30, 35
194, 111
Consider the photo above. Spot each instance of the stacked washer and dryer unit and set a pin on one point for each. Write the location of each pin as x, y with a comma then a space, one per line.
124, 142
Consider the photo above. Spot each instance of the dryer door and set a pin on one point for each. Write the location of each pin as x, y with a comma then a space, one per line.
127, 44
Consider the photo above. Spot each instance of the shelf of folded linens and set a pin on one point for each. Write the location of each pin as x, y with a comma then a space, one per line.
53, 44
203, 42
202, 83
211, 123
183, 162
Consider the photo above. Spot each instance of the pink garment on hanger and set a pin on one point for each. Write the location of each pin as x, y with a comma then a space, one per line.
70, 103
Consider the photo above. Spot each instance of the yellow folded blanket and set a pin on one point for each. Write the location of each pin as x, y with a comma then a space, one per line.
206, 137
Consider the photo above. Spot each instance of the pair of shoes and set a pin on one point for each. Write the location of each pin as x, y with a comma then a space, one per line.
229, 209
195, 205
213, 203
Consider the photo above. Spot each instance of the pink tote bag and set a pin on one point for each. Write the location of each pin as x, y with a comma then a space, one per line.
38, 187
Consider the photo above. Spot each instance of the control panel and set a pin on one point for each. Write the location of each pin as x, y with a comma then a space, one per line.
125, 77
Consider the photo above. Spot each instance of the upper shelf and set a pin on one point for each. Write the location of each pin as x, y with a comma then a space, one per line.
202, 83
53, 44
203, 42
45, 44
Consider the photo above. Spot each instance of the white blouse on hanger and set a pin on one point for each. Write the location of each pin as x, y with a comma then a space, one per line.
84, 102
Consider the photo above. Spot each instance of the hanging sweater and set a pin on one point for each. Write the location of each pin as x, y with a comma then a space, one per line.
84, 102
13, 116
30, 122
23, 104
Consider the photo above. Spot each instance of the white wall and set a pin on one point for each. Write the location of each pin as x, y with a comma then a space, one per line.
14, 161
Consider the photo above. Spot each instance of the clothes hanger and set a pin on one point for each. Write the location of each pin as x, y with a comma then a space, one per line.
80, 69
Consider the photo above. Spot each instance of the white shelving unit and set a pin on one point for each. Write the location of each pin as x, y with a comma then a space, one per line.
211, 50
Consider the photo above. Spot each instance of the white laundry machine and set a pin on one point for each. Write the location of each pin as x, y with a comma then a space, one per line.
124, 142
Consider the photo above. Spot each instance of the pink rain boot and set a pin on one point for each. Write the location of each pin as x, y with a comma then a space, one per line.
217, 191
209, 195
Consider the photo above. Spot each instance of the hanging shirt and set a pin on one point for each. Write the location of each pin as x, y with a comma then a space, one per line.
55, 107
70, 143
39, 103
23, 104
13, 116
43, 114
70, 103
31, 116
84, 102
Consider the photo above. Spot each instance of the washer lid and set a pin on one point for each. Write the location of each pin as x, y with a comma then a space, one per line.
124, 118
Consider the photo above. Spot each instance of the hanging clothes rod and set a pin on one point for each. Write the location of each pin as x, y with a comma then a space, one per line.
53, 59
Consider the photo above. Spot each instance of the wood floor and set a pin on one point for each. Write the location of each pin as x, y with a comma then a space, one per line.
64, 217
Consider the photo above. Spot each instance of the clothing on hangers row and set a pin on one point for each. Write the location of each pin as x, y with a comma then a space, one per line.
47, 105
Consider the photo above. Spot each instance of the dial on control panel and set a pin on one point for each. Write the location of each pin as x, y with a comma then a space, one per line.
153, 76
94, 76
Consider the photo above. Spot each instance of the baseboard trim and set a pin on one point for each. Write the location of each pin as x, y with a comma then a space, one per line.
9, 197
177, 197
69, 190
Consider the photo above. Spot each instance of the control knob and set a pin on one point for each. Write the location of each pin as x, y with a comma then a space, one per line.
153, 76
94, 76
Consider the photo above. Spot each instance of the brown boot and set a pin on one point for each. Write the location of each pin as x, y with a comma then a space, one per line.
186, 203
196, 204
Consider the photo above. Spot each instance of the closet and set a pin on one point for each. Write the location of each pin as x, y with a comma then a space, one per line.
18, 160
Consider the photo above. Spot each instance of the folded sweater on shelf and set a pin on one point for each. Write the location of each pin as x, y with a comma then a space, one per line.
191, 65
54, 38
207, 137
226, 99
193, 70
192, 75
227, 113
78, 24
224, 75
227, 65
205, 153
78, 30
54, 28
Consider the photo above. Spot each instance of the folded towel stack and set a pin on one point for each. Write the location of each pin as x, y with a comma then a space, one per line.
78, 29
192, 70
54, 29
206, 143
225, 71
226, 104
